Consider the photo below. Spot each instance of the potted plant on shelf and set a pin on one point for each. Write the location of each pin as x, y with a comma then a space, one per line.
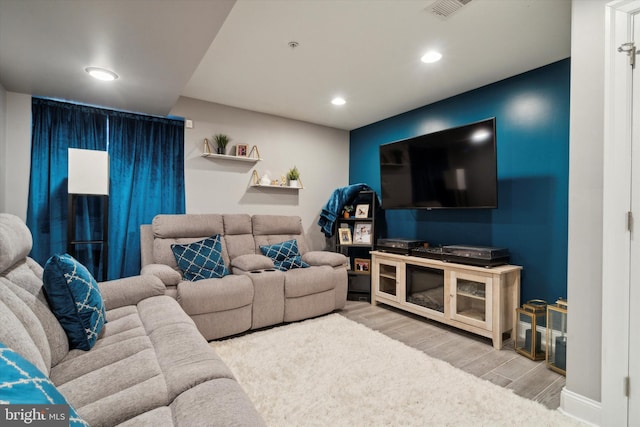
346, 211
293, 176
221, 142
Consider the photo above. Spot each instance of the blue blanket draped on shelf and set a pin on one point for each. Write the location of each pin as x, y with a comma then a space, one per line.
332, 209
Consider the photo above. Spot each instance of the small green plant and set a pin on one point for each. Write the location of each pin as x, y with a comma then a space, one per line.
221, 142
293, 174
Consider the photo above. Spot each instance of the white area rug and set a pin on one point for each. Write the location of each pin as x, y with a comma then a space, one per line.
331, 371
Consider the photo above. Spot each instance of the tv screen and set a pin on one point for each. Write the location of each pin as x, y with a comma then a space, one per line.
452, 168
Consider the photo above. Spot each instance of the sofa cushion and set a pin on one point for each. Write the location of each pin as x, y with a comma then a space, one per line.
252, 262
74, 297
312, 280
238, 235
319, 258
15, 240
285, 255
23, 383
16, 334
220, 402
118, 391
213, 295
270, 229
55, 337
202, 259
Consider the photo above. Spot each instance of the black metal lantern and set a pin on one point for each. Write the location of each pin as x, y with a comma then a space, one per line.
530, 326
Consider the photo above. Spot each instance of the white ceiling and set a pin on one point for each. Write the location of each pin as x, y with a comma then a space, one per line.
237, 53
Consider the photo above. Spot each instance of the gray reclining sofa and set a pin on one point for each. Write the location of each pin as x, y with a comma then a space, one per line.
149, 366
255, 294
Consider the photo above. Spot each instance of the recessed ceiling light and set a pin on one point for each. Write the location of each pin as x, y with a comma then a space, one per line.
101, 73
338, 101
431, 56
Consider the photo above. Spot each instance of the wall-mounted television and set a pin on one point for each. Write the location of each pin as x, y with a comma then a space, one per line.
450, 169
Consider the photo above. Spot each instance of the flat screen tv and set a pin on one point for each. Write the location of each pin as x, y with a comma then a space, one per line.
451, 169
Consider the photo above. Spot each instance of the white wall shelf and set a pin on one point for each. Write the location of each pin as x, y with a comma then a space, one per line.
233, 158
279, 187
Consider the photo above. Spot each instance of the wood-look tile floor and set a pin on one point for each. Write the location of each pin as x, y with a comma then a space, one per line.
469, 352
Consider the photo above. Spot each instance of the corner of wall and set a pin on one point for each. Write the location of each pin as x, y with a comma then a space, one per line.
17, 163
3, 149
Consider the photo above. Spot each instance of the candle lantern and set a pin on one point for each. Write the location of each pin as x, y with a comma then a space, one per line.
530, 327
557, 336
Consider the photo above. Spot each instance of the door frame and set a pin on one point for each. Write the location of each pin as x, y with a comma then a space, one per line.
616, 203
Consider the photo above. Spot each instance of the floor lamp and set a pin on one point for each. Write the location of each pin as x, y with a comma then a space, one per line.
88, 176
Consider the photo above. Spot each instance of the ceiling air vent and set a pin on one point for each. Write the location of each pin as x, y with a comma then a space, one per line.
444, 8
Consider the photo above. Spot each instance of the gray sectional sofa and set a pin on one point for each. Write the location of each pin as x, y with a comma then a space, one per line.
149, 367
256, 294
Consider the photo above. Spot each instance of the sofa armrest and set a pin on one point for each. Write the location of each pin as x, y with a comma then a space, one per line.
319, 258
130, 290
250, 262
168, 275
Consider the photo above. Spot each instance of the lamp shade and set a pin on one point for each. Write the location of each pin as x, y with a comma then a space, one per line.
88, 172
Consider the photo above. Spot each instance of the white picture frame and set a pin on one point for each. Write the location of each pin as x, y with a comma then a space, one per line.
362, 233
362, 211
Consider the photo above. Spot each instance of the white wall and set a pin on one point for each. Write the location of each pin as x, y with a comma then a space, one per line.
584, 291
17, 162
3, 149
320, 153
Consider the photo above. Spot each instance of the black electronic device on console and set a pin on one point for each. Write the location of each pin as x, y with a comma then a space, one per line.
428, 252
398, 246
484, 256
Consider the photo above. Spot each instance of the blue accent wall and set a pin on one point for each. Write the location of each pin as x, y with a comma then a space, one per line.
532, 125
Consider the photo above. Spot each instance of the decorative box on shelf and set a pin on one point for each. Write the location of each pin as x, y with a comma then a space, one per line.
557, 336
530, 325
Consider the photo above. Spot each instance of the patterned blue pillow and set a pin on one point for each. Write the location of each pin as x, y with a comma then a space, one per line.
285, 255
75, 299
202, 259
22, 383
281, 251
289, 263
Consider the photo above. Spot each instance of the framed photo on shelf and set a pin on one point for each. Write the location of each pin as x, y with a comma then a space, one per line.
344, 234
362, 265
362, 232
362, 211
242, 150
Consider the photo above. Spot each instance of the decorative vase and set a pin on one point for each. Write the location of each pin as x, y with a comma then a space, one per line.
293, 183
220, 150
345, 214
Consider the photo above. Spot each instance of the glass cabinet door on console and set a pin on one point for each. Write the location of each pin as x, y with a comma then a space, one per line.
471, 299
386, 279
425, 287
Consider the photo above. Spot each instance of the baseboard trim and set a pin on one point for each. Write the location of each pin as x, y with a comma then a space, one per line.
577, 406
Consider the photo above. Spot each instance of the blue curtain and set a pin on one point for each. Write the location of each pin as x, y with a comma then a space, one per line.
147, 178
56, 127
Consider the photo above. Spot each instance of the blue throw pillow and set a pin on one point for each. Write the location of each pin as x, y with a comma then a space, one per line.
289, 263
285, 255
21, 383
281, 251
75, 299
202, 259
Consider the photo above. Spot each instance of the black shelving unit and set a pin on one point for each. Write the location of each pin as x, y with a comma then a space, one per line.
364, 232
73, 242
